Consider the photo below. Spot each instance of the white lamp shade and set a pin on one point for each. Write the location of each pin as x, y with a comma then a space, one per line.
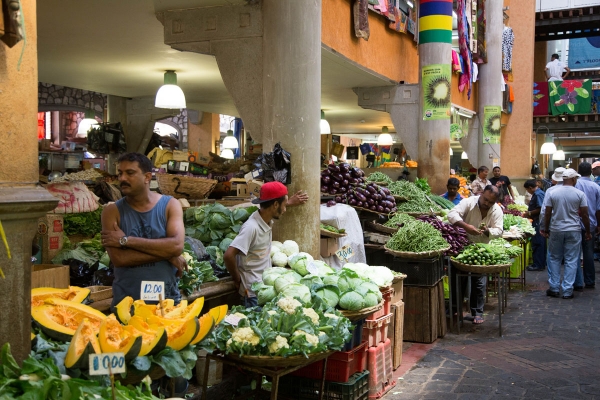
559, 155
451, 151
548, 148
84, 126
385, 139
227, 153
169, 96
464, 156
325, 128
230, 142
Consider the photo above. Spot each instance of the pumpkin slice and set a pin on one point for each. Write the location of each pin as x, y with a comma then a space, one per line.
83, 344
73, 293
215, 312
115, 337
59, 319
183, 311
222, 314
32, 336
146, 310
123, 310
154, 337
207, 323
168, 305
180, 332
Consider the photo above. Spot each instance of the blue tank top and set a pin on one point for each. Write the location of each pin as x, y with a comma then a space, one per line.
151, 224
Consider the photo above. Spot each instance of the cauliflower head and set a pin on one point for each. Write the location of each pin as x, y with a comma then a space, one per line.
279, 259
240, 315
329, 315
312, 340
279, 343
189, 260
288, 304
312, 314
290, 247
244, 335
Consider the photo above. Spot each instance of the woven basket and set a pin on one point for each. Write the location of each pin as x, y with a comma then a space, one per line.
273, 362
416, 214
481, 269
416, 256
326, 233
400, 198
189, 187
360, 314
382, 228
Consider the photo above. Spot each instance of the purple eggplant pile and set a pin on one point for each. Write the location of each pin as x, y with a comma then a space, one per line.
455, 236
348, 186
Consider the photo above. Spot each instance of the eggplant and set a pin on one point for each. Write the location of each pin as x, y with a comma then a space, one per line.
394, 210
335, 184
359, 204
325, 172
386, 210
352, 202
324, 189
371, 189
333, 190
331, 203
346, 175
370, 202
337, 177
373, 208
386, 191
380, 209
334, 168
343, 189
326, 180
338, 199
344, 167
377, 197
390, 198
345, 182
361, 197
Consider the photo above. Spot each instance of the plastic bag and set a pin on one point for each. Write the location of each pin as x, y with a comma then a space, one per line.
104, 277
265, 162
197, 247
80, 273
281, 157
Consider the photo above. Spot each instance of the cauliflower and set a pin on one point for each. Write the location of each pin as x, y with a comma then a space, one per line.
279, 259
279, 343
189, 260
311, 339
272, 312
310, 313
329, 315
289, 305
244, 335
277, 244
290, 247
240, 315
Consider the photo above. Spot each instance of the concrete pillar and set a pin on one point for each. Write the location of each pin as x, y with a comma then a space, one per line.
202, 137
269, 56
435, 47
21, 201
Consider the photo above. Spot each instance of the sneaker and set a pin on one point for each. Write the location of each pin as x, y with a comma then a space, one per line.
552, 293
578, 288
569, 296
534, 268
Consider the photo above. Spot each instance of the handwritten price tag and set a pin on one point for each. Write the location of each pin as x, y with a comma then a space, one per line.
107, 363
312, 268
233, 320
345, 253
152, 290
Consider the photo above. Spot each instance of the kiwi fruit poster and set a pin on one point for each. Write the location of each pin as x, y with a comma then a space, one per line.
436, 91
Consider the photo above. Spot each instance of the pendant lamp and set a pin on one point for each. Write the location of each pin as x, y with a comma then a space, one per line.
170, 95
86, 123
227, 153
324, 125
230, 142
549, 147
559, 155
464, 156
451, 151
385, 139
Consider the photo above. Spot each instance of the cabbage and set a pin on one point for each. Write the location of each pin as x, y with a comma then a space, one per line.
299, 263
381, 276
295, 276
274, 250
277, 244
347, 283
105, 259
282, 281
330, 295
219, 221
360, 268
271, 274
310, 280
352, 301
290, 247
330, 280
362, 290
371, 300
372, 287
266, 294
323, 268
224, 245
279, 259
298, 291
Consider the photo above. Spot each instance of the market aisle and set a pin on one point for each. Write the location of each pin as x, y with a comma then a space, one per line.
549, 351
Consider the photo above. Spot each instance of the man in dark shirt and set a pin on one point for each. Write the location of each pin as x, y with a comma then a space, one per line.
502, 183
538, 242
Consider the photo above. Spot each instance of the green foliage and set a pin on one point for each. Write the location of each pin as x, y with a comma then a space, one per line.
422, 184
212, 223
86, 224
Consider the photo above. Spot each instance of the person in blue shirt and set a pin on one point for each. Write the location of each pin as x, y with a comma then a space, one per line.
538, 242
452, 193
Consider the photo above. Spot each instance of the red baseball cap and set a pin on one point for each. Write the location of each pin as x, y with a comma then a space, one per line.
271, 191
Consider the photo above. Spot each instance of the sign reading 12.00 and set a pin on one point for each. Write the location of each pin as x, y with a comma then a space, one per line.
152, 290
107, 363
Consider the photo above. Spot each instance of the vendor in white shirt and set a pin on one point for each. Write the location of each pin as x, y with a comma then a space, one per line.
555, 68
482, 218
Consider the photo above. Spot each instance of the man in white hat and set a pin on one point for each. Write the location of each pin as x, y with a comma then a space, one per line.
565, 205
557, 180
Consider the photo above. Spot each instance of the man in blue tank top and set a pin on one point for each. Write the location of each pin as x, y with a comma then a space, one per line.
143, 233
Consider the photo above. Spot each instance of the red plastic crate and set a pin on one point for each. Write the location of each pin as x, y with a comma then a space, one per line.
387, 304
340, 365
375, 331
380, 369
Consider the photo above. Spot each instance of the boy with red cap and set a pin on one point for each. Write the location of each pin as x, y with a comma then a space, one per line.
249, 254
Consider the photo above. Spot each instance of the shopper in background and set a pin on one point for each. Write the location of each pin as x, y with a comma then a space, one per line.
555, 68
596, 171
562, 226
452, 191
503, 183
143, 233
479, 184
538, 242
587, 275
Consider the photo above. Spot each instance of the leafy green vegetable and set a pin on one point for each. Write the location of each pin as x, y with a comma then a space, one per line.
88, 251
198, 272
422, 184
212, 223
352, 301
86, 224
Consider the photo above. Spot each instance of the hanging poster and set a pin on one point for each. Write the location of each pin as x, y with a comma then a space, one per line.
570, 96
584, 53
491, 124
436, 91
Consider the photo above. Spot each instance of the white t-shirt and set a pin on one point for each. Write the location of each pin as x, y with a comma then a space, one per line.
555, 69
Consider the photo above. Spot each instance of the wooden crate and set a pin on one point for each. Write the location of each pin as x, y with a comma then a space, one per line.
396, 333
98, 293
424, 313
50, 275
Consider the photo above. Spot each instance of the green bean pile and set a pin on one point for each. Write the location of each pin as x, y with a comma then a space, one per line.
417, 237
379, 177
398, 219
406, 189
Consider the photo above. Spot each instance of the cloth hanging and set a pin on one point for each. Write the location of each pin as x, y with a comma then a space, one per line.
570, 97
595, 101
481, 56
361, 19
508, 39
399, 25
463, 45
475, 72
456, 65
540, 98
382, 7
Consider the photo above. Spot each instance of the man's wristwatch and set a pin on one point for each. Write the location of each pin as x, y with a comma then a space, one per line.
123, 241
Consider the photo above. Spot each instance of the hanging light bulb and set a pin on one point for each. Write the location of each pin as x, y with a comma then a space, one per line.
385, 139
227, 153
464, 156
549, 147
451, 151
170, 95
325, 128
559, 155
86, 123
230, 142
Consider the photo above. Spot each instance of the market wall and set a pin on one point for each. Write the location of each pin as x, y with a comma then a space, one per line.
540, 59
202, 137
389, 53
460, 98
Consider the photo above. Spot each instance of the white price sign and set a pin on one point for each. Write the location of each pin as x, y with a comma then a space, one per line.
152, 290
344, 253
107, 363
233, 320
312, 268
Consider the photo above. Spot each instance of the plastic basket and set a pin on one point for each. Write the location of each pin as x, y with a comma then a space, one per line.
387, 304
357, 333
380, 370
375, 331
424, 272
340, 365
299, 388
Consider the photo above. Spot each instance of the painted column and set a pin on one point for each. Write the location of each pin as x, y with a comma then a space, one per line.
291, 107
435, 47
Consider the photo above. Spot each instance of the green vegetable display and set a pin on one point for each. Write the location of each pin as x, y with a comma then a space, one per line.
398, 219
198, 272
520, 222
497, 252
86, 224
379, 177
88, 251
417, 237
442, 202
332, 229
417, 202
422, 184
518, 207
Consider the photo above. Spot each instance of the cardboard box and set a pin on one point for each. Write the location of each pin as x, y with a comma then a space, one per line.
203, 160
50, 236
253, 175
329, 246
255, 149
239, 187
254, 187
179, 155
98, 293
50, 275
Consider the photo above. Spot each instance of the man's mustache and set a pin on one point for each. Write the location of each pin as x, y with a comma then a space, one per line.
125, 184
